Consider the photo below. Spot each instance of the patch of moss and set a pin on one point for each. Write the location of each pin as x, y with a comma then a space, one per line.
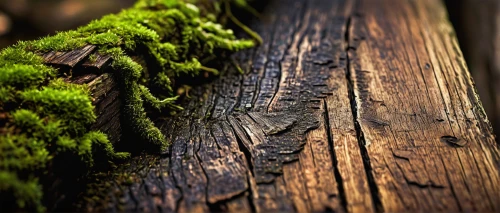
27, 193
45, 120
24, 76
18, 54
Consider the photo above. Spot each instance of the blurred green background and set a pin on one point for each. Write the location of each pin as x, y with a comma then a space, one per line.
30, 19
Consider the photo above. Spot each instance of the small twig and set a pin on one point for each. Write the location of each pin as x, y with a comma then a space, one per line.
250, 32
237, 66
210, 70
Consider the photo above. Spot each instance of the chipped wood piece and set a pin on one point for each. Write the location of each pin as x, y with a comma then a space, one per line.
276, 139
70, 58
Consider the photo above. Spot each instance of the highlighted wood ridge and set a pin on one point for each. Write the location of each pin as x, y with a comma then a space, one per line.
44, 120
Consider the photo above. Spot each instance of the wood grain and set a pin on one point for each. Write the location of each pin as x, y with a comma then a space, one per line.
70, 58
348, 106
426, 135
78, 69
478, 31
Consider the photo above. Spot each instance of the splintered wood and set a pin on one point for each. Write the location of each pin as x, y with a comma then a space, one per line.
348, 106
79, 69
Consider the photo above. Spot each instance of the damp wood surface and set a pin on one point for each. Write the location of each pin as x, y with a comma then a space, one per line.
348, 106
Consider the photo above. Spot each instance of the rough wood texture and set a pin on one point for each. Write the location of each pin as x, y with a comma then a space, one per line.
348, 106
478, 29
426, 136
70, 58
79, 69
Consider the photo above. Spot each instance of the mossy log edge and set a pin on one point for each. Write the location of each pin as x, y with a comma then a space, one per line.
52, 118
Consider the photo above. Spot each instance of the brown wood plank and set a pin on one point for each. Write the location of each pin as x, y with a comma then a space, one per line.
429, 143
70, 58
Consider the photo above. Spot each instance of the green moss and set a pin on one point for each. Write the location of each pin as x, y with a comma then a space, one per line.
20, 152
159, 104
48, 119
72, 107
95, 145
26, 193
93, 58
62, 41
7, 94
24, 76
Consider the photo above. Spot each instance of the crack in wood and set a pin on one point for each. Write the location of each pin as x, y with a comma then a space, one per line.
274, 139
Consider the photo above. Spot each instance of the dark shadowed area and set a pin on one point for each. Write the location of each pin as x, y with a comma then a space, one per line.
477, 24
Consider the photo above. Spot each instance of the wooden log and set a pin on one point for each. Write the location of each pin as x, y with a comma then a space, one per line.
348, 106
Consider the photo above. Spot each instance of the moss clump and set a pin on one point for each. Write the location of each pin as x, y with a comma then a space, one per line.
29, 190
44, 121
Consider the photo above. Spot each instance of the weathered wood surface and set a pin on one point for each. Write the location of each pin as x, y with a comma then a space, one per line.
478, 29
104, 89
348, 106
426, 135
